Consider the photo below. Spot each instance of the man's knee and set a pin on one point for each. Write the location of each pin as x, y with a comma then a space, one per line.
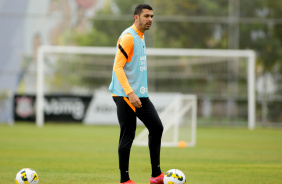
157, 129
126, 141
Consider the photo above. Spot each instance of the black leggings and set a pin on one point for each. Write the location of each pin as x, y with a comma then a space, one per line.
127, 120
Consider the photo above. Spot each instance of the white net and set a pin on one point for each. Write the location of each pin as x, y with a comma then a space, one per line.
220, 83
179, 120
76, 73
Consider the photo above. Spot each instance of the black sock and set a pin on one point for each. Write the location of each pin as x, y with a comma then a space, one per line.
156, 171
124, 176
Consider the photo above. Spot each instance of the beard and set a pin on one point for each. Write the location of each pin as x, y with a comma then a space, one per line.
144, 25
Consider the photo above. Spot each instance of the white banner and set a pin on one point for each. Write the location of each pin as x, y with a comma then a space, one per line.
102, 108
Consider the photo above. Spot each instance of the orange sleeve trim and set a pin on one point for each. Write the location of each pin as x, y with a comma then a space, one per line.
130, 105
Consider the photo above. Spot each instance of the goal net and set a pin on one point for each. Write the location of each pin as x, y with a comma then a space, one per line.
179, 120
222, 80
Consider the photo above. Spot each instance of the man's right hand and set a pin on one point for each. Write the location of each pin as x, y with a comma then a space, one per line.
134, 100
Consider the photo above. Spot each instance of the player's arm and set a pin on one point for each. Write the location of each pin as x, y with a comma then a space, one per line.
123, 56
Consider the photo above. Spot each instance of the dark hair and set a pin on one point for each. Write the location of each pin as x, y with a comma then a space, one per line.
140, 7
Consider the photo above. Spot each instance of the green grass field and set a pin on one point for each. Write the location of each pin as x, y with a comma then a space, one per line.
76, 154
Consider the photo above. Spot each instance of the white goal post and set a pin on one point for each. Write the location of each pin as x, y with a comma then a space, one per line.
248, 54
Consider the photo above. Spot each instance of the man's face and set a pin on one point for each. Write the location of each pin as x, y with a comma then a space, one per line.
145, 19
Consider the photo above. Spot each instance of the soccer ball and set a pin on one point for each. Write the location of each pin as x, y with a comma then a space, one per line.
174, 176
27, 176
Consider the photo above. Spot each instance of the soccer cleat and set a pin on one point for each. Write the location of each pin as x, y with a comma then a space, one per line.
157, 180
128, 182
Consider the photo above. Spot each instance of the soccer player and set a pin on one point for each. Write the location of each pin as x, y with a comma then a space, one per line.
129, 89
